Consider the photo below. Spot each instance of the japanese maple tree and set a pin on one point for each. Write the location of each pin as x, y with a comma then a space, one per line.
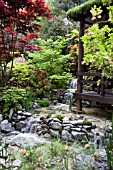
19, 24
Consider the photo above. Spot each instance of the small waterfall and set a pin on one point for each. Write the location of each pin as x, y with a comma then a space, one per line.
98, 141
68, 96
32, 125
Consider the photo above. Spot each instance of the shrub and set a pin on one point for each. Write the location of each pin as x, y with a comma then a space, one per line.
14, 97
44, 103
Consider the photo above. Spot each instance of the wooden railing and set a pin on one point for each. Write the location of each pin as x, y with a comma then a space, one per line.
100, 93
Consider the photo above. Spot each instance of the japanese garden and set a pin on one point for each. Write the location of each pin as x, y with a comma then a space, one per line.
56, 85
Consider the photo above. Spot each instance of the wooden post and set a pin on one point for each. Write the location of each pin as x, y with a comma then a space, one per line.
102, 85
80, 69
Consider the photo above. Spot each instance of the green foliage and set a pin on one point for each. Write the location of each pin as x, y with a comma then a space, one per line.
60, 117
52, 57
98, 47
45, 70
53, 60
70, 103
109, 147
13, 97
55, 27
20, 72
44, 103
63, 5
49, 115
55, 156
59, 81
21, 75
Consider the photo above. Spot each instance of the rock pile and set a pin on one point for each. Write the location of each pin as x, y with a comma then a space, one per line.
38, 127
56, 122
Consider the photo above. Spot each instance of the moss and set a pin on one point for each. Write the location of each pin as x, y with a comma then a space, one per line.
49, 115
82, 10
87, 122
10, 120
60, 117
60, 130
69, 130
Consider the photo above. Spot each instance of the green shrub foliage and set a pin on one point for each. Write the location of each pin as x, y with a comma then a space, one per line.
44, 103
14, 97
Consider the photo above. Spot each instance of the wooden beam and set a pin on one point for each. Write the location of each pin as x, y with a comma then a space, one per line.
80, 68
96, 74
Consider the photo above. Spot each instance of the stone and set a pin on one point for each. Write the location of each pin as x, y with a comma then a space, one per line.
6, 126
2, 161
37, 111
35, 106
11, 112
78, 135
83, 160
74, 122
1, 118
27, 114
68, 128
15, 114
87, 127
54, 133
56, 120
20, 125
19, 117
13, 123
66, 121
17, 163
27, 139
47, 135
14, 118
20, 112
23, 117
77, 129
66, 136
55, 125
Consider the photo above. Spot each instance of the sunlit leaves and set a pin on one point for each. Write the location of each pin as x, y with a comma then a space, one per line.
98, 48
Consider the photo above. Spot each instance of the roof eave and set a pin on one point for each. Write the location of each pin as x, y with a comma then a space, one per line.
83, 10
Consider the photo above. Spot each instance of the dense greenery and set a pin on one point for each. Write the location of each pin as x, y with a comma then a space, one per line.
44, 103
98, 45
59, 25
14, 98
50, 66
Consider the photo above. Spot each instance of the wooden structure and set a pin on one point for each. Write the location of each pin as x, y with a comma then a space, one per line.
100, 94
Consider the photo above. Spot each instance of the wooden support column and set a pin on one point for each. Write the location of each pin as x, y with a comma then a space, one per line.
80, 68
102, 86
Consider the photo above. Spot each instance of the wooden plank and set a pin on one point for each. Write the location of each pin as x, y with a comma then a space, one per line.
88, 82
95, 97
88, 74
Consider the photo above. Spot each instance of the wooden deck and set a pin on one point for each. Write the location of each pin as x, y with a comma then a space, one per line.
94, 96
101, 93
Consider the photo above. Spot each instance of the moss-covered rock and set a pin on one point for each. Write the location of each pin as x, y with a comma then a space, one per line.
87, 122
60, 117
